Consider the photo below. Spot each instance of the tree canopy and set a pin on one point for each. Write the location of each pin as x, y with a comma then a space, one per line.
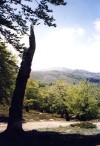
15, 16
8, 69
81, 100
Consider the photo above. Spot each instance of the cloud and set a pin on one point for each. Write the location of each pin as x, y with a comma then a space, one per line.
97, 37
97, 25
67, 47
80, 31
95, 40
59, 48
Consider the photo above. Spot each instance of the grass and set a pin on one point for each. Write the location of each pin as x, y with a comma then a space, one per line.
86, 125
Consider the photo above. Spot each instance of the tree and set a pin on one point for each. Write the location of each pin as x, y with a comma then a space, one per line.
84, 104
15, 16
62, 99
14, 24
8, 70
31, 95
15, 111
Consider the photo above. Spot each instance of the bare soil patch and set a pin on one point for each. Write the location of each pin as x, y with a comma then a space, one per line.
44, 124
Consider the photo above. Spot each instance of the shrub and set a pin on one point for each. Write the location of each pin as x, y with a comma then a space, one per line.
86, 125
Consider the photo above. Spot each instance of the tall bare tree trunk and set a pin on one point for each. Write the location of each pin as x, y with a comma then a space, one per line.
15, 111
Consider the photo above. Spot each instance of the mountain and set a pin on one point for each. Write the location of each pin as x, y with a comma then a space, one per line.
71, 76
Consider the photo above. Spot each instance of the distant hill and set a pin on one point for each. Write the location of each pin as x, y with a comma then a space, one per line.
71, 76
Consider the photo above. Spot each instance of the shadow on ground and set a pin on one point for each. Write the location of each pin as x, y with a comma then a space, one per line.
36, 138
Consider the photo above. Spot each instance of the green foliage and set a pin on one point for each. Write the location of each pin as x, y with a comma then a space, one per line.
84, 102
59, 93
8, 70
15, 16
80, 101
86, 125
31, 93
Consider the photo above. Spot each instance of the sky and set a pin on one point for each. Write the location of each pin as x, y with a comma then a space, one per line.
75, 42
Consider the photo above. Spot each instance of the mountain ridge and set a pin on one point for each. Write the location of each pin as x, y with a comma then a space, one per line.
70, 75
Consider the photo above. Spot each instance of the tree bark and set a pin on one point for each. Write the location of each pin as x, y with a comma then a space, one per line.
15, 111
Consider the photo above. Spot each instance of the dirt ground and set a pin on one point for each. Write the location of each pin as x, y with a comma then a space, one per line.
40, 124
33, 136
43, 124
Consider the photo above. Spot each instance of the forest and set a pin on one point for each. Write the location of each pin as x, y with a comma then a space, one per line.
72, 101
80, 101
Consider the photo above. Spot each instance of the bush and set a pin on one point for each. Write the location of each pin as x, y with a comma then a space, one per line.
86, 125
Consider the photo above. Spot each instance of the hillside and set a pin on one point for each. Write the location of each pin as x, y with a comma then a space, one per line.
71, 76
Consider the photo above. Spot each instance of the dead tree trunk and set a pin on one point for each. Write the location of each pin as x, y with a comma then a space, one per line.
15, 111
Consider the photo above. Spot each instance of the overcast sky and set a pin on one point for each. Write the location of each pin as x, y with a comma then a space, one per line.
75, 42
